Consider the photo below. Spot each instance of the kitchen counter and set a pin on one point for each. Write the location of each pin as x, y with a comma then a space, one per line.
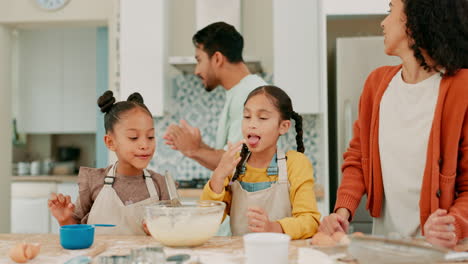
45, 178
216, 250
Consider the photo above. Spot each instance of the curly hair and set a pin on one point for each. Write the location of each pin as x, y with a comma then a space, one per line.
439, 27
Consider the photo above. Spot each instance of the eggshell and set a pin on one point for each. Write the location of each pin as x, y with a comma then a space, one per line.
17, 253
32, 250
322, 239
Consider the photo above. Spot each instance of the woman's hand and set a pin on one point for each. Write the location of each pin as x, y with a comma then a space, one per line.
145, 228
226, 166
336, 222
439, 229
259, 221
61, 208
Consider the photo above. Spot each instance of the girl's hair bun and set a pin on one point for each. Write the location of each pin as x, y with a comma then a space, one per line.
136, 97
106, 101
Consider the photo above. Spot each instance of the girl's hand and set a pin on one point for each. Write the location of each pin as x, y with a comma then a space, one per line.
226, 166
439, 229
259, 221
336, 222
61, 208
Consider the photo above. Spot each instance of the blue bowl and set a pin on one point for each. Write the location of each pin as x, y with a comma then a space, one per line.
76, 236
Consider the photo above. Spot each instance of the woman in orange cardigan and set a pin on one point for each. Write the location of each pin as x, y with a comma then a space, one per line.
409, 152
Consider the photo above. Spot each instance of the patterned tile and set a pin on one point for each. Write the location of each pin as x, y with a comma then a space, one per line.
201, 109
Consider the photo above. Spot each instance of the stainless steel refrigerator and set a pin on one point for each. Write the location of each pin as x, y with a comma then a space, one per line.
356, 58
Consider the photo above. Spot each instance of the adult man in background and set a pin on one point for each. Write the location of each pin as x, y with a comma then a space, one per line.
218, 51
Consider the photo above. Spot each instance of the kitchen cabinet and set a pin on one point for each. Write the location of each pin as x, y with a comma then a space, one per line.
57, 80
29, 209
29, 215
39, 81
298, 52
143, 52
79, 77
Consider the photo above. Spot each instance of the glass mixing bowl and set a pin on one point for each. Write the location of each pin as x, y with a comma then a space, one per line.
189, 225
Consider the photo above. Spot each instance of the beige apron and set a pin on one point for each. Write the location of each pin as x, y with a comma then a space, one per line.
108, 208
274, 200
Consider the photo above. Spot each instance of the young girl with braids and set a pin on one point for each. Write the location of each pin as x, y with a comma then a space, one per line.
117, 194
268, 191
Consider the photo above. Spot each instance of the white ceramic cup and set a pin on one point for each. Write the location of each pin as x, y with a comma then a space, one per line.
35, 167
23, 168
271, 248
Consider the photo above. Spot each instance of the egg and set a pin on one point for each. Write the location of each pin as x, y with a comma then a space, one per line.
358, 234
337, 236
32, 250
344, 241
322, 239
17, 253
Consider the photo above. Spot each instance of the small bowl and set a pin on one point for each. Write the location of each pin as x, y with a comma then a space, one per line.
189, 225
76, 236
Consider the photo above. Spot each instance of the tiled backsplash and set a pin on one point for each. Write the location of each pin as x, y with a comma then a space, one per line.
201, 109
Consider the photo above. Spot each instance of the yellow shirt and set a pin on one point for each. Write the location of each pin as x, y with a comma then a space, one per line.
305, 217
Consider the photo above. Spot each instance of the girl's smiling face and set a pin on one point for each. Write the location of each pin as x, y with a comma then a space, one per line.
132, 139
262, 124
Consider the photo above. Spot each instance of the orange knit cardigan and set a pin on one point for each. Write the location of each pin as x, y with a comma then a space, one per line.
445, 180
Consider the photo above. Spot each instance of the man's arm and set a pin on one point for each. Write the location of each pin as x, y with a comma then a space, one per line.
207, 156
187, 140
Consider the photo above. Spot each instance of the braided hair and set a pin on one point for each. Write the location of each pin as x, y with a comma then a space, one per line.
282, 102
112, 110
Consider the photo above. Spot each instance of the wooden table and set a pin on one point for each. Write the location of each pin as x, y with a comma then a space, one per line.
216, 250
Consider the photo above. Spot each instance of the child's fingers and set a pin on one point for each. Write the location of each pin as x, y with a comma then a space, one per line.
239, 144
61, 198
255, 229
53, 197
67, 199
256, 209
236, 161
256, 222
257, 217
